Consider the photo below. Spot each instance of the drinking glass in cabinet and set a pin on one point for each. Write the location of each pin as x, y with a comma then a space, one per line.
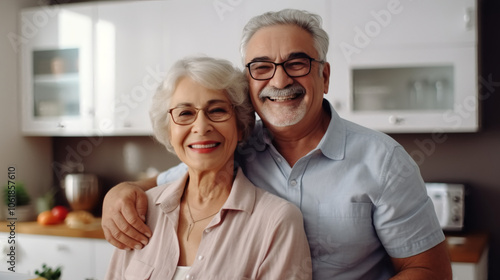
421, 88
56, 83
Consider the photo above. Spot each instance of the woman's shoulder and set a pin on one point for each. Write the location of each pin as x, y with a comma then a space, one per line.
157, 191
166, 191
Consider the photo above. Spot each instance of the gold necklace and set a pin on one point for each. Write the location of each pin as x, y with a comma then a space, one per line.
193, 222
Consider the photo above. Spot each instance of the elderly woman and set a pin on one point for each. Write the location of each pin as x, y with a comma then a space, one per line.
212, 223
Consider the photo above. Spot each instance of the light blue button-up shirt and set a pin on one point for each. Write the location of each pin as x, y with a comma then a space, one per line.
362, 197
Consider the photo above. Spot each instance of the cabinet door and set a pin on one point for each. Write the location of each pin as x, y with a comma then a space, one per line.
74, 255
56, 67
129, 65
407, 75
210, 28
363, 25
395, 103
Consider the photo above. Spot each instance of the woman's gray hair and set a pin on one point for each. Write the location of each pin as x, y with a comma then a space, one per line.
303, 19
211, 73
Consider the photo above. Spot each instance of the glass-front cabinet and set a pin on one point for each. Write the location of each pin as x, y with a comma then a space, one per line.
403, 66
91, 68
56, 83
56, 63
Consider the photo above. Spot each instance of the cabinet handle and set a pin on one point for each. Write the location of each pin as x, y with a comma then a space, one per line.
60, 125
62, 248
468, 18
395, 120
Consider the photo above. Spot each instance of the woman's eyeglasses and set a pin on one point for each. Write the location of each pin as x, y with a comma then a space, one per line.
216, 112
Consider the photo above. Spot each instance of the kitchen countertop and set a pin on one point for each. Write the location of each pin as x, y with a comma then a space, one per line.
92, 230
467, 248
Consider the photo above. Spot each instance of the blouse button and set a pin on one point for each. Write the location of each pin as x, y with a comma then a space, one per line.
200, 258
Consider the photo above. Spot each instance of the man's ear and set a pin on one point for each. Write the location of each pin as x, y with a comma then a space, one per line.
326, 77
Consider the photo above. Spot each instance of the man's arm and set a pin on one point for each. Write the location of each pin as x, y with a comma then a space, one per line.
123, 214
431, 264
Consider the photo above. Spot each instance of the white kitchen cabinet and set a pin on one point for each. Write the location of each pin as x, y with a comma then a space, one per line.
211, 28
403, 66
471, 271
56, 54
396, 66
129, 64
91, 68
80, 258
469, 256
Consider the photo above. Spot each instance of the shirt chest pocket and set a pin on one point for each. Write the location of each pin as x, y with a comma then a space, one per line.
345, 233
137, 270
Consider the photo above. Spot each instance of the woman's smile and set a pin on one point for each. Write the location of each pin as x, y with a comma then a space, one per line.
204, 147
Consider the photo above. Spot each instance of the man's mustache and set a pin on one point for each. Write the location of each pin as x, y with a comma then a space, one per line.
285, 92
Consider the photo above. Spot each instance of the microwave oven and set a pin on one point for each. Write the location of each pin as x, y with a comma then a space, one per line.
449, 204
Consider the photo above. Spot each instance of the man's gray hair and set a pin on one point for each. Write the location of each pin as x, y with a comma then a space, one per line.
211, 73
308, 21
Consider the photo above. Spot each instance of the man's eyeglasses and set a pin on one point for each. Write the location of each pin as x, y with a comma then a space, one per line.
295, 67
216, 112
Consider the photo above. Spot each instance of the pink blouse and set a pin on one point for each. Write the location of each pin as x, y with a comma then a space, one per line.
256, 235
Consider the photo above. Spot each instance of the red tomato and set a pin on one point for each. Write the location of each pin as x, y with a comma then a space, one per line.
60, 212
47, 218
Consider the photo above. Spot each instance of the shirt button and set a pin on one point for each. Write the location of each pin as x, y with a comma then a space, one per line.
278, 159
293, 183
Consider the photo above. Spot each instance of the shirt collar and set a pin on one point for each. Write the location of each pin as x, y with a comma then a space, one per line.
332, 145
241, 198
170, 198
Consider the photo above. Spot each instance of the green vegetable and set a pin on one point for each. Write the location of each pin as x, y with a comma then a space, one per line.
48, 273
21, 195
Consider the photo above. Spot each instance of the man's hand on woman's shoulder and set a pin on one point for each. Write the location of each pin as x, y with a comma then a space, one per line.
123, 214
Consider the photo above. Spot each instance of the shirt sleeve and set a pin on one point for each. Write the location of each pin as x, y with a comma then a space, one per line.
404, 216
289, 254
171, 174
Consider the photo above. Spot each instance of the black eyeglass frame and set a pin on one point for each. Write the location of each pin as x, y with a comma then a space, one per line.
284, 68
231, 112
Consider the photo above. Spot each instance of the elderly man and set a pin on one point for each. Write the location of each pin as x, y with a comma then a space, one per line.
365, 208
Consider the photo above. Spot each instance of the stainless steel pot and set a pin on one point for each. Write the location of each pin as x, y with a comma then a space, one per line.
81, 190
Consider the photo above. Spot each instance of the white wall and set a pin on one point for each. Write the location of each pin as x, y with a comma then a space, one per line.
31, 156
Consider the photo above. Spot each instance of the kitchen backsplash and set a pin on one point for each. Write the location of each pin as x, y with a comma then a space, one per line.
112, 159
